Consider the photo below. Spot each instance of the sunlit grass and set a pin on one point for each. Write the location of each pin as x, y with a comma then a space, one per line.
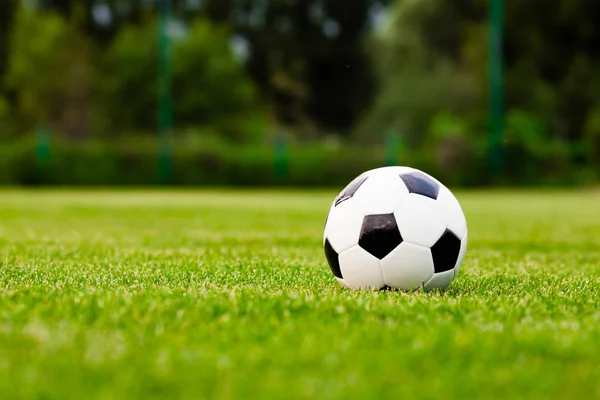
164, 294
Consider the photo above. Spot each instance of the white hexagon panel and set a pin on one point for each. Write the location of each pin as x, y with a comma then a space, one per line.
381, 193
361, 270
451, 212
420, 220
440, 280
343, 226
407, 267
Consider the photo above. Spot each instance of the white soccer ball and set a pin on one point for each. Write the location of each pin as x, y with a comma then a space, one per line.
395, 227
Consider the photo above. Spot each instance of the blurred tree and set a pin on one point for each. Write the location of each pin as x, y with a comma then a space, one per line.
432, 57
49, 70
209, 85
6, 16
308, 59
306, 56
425, 66
552, 58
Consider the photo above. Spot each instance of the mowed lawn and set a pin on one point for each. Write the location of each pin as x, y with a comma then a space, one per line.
227, 295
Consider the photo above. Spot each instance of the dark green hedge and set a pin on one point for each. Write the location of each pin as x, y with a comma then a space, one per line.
137, 162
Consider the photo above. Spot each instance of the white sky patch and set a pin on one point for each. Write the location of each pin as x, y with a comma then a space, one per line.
193, 4
102, 14
240, 46
331, 28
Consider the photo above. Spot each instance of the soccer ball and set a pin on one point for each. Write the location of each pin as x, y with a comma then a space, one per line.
395, 228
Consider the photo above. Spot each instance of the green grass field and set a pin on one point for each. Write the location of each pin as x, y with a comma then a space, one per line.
227, 295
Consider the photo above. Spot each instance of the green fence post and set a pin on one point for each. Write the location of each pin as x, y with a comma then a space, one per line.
392, 149
496, 85
165, 103
42, 149
280, 157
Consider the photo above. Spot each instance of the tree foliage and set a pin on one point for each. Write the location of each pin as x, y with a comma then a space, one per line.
432, 57
424, 66
49, 71
318, 66
208, 83
306, 56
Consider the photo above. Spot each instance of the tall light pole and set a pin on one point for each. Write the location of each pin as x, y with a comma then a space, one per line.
496, 84
165, 101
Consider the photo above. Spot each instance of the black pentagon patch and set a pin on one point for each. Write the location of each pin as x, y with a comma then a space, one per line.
445, 252
419, 183
349, 190
379, 235
333, 260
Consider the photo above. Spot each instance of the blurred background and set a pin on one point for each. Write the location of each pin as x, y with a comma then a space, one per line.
298, 93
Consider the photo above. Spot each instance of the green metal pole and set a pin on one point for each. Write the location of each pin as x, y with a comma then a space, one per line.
165, 102
280, 157
42, 149
392, 148
496, 84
